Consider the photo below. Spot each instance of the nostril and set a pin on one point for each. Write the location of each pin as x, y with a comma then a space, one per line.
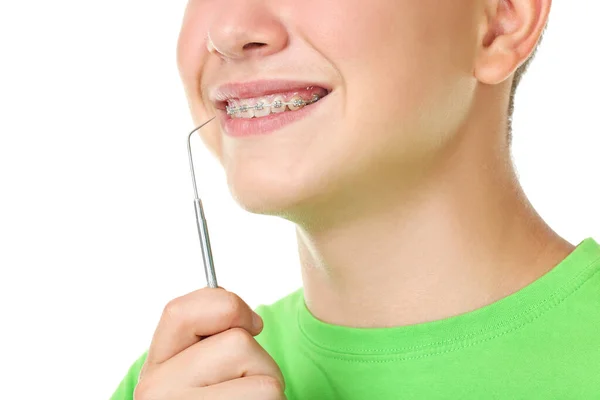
253, 45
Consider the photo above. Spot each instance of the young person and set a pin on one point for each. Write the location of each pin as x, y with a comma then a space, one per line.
427, 273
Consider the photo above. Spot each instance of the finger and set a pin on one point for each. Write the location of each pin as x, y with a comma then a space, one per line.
204, 312
248, 388
219, 358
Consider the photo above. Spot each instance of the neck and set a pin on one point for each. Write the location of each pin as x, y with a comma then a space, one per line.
461, 236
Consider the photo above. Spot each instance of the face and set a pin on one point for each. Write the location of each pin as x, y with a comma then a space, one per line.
400, 79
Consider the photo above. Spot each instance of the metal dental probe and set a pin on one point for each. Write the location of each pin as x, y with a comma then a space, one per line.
207, 258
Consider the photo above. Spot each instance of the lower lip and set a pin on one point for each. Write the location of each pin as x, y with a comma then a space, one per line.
240, 127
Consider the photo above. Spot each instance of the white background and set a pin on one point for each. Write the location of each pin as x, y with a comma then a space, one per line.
97, 226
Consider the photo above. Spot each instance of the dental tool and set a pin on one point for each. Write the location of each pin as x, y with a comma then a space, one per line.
207, 258
297, 102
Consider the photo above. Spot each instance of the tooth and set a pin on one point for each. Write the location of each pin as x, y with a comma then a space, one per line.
233, 104
249, 113
231, 110
277, 101
262, 108
299, 103
238, 114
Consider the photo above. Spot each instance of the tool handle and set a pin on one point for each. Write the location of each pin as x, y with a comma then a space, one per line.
209, 268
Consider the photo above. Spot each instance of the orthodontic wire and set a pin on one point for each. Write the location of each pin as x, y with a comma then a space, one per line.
275, 104
207, 258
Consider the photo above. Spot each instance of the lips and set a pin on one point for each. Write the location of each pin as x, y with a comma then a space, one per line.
260, 88
273, 123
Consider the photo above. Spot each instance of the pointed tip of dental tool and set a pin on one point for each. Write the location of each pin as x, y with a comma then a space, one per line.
201, 125
208, 121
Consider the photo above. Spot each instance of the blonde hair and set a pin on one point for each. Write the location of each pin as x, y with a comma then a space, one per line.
516, 80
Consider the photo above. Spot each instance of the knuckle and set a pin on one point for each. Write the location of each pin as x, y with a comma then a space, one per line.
143, 391
174, 309
271, 387
234, 307
239, 338
143, 370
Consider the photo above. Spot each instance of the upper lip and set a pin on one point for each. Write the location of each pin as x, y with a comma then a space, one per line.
243, 90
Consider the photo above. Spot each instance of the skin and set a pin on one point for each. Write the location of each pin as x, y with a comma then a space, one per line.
401, 186
203, 348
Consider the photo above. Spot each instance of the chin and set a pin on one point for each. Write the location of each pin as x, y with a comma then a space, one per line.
273, 194
266, 194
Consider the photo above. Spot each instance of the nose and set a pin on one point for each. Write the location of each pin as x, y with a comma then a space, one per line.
245, 28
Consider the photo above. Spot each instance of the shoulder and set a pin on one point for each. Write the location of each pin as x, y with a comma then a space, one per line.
280, 321
283, 306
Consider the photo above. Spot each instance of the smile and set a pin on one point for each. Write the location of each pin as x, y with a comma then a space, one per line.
267, 116
264, 106
274, 103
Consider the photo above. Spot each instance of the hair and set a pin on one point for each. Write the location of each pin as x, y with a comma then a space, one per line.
516, 80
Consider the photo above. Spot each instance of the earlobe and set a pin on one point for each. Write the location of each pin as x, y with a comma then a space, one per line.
512, 30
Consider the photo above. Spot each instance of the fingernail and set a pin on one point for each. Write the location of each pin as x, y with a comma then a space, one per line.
256, 321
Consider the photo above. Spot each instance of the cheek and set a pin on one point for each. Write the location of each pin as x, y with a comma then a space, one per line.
400, 60
192, 52
402, 64
386, 51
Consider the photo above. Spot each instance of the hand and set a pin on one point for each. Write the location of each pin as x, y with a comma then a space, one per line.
204, 348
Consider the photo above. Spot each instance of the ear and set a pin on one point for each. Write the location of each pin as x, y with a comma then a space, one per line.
511, 30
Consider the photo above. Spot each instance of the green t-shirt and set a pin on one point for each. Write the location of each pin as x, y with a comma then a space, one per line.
541, 342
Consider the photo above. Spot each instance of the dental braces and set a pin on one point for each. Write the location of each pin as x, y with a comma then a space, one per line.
276, 104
